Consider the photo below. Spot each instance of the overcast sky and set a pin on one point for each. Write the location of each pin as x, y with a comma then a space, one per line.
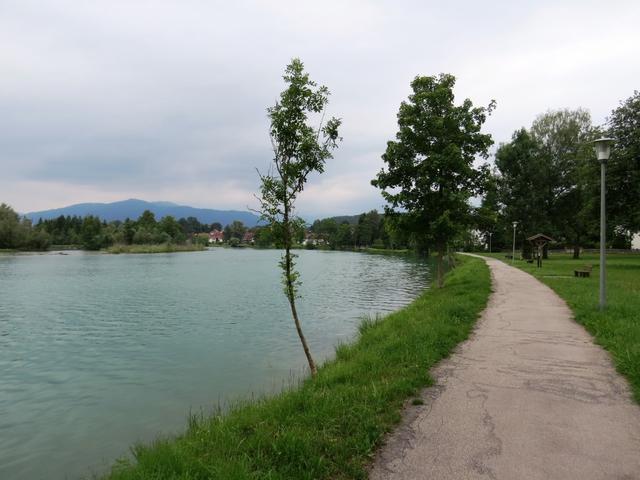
166, 100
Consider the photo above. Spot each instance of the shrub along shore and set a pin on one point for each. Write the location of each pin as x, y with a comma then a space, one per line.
159, 248
327, 427
617, 329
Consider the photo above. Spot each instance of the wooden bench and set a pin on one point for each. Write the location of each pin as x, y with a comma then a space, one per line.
584, 271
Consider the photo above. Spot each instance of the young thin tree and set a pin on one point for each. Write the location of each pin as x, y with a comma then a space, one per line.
299, 149
430, 173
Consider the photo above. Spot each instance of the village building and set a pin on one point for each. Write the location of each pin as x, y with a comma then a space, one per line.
216, 236
248, 237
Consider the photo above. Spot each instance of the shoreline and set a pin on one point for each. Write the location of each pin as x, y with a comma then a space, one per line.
329, 425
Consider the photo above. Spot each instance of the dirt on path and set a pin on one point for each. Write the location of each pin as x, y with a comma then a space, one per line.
528, 396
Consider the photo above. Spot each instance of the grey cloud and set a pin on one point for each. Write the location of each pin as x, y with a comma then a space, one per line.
114, 96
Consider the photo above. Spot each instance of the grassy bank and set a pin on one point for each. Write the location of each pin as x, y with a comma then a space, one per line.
162, 248
327, 427
617, 329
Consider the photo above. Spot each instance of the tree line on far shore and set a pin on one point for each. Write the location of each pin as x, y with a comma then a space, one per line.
93, 233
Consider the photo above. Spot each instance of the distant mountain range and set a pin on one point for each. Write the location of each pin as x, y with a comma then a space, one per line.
133, 209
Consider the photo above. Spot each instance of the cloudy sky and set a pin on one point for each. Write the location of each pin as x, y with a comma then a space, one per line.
166, 100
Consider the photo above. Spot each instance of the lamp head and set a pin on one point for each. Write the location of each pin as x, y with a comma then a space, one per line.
602, 147
515, 224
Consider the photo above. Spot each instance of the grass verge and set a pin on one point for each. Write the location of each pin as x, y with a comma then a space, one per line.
617, 329
328, 427
161, 248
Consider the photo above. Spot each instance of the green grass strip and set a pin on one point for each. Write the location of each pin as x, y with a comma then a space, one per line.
159, 248
328, 427
617, 329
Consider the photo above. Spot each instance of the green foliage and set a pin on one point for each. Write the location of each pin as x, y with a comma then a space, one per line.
160, 248
93, 234
92, 238
488, 220
549, 180
10, 229
563, 139
623, 169
524, 186
18, 234
299, 149
234, 230
371, 229
328, 427
429, 167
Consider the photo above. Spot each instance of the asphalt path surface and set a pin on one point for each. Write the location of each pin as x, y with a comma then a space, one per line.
528, 396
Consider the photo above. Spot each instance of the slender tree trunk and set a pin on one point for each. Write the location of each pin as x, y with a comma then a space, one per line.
576, 248
451, 259
291, 295
440, 266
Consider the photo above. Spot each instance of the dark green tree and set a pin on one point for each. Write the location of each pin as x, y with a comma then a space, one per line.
429, 167
343, 237
170, 226
235, 229
563, 137
129, 231
623, 169
299, 149
525, 187
147, 220
489, 220
92, 233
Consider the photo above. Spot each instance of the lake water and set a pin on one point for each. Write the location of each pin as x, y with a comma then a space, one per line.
100, 351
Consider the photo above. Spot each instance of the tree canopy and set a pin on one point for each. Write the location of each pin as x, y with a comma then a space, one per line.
623, 169
430, 174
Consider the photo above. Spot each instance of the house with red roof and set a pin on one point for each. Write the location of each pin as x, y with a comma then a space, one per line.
216, 236
248, 237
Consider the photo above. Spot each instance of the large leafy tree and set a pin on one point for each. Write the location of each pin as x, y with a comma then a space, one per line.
563, 138
429, 171
547, 178
524, 185
489, 220
623, 169
299, 149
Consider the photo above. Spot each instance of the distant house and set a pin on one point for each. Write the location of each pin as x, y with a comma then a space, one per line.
216, 236
635, 242
248, 237
313, 239
309, 239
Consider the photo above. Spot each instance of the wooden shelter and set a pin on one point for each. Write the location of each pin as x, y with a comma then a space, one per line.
539, 240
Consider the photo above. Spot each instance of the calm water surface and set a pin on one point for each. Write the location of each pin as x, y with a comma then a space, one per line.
100, 351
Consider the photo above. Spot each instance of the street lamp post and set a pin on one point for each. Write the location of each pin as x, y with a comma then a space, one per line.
603, 150
513, 256
490, 233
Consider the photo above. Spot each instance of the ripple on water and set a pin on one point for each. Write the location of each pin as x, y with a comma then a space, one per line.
99, 351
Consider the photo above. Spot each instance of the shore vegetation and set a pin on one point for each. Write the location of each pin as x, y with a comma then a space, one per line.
158, 248
328, 426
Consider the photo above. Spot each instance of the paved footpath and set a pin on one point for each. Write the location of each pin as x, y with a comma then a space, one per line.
528, 396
